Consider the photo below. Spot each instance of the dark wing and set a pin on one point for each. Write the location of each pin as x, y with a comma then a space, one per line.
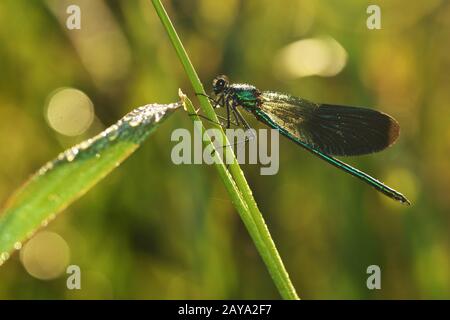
335, 130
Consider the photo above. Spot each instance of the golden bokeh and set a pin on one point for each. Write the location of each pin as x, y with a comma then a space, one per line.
69, 111
310, 57
45, 256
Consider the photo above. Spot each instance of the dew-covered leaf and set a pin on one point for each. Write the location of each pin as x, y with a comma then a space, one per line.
61, 181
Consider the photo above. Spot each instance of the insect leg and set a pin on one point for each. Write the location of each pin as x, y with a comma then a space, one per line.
212, 100
244, 123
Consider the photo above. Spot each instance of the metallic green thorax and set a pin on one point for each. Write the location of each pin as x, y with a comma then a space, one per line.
245, 95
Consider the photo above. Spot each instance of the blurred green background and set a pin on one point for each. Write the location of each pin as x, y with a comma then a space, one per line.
155, 230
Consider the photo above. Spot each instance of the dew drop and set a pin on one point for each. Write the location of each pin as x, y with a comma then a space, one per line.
134, 122
113, 132
45, 168
44, 223
158, 116
71, 154
18, 245
84, 145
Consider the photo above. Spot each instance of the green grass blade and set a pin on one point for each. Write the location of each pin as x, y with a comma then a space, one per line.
63, 180
251, 216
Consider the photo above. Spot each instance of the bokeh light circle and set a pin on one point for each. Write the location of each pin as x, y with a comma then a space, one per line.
310, 57
45, 256
69, 111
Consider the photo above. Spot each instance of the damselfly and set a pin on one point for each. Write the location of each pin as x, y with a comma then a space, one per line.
325, 130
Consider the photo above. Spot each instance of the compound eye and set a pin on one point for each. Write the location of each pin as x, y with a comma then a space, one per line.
219, 84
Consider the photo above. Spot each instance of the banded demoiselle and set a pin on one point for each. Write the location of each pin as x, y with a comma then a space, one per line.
325, 130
